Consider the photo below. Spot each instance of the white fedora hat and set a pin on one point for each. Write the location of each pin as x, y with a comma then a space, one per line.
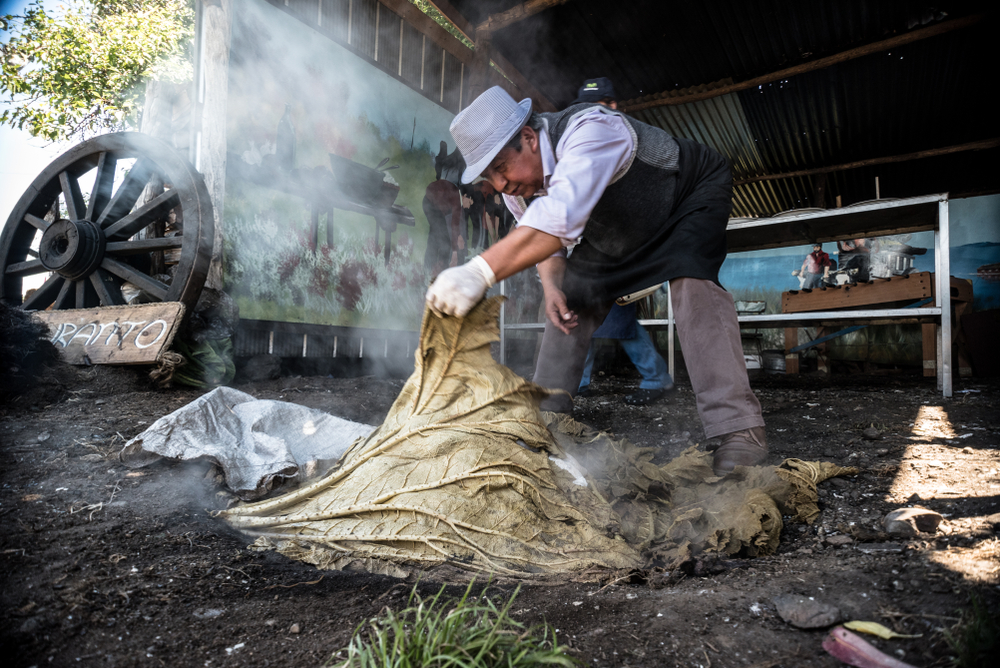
485, 126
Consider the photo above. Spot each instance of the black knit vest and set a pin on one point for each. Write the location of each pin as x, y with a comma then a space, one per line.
640, 196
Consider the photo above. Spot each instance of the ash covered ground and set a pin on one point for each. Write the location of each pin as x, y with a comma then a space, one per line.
107, 566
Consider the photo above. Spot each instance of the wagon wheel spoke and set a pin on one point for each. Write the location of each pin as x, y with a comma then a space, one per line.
128, 192
81, 293
148, 213
135, 246
72, 195
39, 224
67, 296
103, 184
27, 268
136, 277
44, 295
108, 290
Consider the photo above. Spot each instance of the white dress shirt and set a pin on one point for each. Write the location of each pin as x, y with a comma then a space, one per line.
593, 148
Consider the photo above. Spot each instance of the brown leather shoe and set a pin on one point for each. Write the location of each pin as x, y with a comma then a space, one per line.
740, 448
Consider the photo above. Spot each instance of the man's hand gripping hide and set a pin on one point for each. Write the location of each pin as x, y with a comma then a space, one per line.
456, 290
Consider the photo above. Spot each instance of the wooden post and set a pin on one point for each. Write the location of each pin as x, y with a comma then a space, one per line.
819, 191
928, 334
216, 29
791, 359
479, 76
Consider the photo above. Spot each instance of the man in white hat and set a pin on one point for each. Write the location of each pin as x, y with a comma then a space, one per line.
638, 207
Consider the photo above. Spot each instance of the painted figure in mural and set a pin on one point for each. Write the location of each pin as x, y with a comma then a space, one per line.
854, 256
284, 141
639, 207
815, 269
621, 323
487, 215
442, 204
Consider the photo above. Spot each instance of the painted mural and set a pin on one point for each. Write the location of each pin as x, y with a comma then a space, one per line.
761, 276
341, 183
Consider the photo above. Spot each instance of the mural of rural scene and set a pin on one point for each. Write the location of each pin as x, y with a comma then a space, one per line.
341, 188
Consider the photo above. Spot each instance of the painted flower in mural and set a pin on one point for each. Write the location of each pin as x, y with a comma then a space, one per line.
354, 277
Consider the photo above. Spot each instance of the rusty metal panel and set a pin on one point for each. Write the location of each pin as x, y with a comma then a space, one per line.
362, 28
452, 83
413, 53
249, 342
333, 18
433, 63
306, 11
387, 51
377, 32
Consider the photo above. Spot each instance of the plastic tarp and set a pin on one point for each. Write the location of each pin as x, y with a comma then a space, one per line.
466, 476
257, 443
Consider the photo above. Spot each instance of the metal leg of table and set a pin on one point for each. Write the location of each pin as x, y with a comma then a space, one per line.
942, 275
503, 324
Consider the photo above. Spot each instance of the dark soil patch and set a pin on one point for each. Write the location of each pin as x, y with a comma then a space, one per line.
111, 567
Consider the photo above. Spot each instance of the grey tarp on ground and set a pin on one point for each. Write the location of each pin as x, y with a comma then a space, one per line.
258, 443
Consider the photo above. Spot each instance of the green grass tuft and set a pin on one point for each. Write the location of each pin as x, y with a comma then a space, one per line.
468, 633
976, 637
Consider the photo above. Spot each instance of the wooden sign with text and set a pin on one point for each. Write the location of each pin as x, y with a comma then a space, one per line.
114, 334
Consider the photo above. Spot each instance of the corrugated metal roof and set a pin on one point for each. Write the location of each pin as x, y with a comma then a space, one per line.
925, 95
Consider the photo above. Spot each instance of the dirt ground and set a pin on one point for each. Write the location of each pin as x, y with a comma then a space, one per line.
112, 567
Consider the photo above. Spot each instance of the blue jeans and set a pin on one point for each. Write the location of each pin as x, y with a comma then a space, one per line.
644, 356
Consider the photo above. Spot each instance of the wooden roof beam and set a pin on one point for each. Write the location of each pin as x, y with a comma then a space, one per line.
646, 102
971, 146
517, 13
542, 101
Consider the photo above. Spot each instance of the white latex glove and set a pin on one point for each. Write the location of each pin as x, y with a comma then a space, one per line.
455, 291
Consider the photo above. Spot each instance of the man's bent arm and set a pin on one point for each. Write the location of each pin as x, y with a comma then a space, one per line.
523, 247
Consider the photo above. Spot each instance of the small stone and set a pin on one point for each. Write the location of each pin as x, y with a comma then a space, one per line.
805, 613
31, 625
871, 434
92, 457
839, 539
207, 613
911, 521
295, 628
44, 436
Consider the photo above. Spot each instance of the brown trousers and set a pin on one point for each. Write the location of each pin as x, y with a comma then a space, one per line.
713, 353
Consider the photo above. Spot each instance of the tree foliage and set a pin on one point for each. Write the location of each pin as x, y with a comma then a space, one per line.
80, 70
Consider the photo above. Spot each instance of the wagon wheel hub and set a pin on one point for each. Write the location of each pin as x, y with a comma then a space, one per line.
72, 248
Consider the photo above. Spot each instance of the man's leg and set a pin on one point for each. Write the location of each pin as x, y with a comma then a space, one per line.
713, 353
647, 360
561, 358
588, 366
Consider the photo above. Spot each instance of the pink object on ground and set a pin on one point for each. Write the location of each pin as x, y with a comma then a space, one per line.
855, 651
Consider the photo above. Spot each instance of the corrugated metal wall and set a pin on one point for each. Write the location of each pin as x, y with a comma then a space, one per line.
375, 32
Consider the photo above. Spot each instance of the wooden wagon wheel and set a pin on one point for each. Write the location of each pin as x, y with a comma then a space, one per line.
149, 229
